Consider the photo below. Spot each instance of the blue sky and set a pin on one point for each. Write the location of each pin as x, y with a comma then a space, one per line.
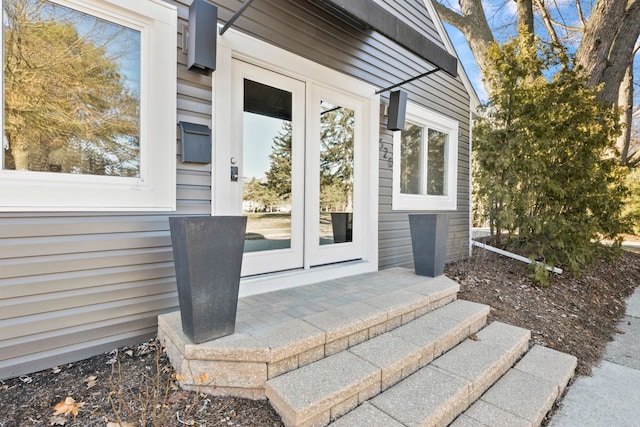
258, 134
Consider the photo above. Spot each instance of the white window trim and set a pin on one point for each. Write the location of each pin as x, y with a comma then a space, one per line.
155, 189
428, 119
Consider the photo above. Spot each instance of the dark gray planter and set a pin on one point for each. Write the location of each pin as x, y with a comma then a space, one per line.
429, 235
207, 252
342, 225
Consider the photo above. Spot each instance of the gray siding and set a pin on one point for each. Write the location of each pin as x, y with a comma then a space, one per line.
74, 285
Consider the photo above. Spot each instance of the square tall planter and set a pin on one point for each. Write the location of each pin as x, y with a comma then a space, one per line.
429, 235
207, 253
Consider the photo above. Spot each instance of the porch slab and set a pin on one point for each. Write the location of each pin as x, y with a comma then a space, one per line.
281, 331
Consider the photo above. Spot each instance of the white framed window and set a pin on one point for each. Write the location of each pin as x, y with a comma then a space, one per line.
89, 105
425, 159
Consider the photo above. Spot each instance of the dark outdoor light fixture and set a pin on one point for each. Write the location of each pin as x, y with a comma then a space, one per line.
196, 143
202, 37
397, 110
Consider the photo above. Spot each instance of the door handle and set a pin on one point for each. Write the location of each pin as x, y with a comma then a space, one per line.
234, 173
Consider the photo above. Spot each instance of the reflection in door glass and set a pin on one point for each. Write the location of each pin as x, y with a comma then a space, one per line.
336, 173
266, 198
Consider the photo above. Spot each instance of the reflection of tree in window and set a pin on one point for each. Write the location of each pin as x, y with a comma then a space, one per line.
436, 163
275, 191
279, 173
336, 157
411, 159
71, 91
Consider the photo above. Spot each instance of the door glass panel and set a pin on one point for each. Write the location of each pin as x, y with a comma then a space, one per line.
266, 197
336, 173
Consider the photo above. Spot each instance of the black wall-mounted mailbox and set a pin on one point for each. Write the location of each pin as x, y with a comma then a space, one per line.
202, 37
196, 143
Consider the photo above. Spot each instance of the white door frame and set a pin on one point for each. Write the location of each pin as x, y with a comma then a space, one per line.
316, 254
241, 46
292, 257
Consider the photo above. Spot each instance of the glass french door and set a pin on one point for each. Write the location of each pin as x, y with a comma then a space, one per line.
268, 149
334, 203
296, 147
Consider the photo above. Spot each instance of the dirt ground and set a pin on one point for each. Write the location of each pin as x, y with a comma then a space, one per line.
576, 315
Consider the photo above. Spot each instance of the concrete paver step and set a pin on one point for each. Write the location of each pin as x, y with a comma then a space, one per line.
524, 395
284, 330
309, 395
439, 392
321, 392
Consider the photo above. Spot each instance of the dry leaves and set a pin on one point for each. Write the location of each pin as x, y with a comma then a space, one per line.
57, 420
68, 406
91, 381
178, 396
122, 424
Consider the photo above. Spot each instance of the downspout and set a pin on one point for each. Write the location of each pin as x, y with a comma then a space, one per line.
470, 178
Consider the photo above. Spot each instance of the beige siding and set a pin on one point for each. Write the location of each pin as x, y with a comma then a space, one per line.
74, 285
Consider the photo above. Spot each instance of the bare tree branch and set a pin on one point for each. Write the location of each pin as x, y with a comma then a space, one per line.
580, 13
566, 27
548, 23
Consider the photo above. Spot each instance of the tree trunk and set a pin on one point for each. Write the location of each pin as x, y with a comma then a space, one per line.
625, 103
602, 27
621, 53
525, 22
473, 23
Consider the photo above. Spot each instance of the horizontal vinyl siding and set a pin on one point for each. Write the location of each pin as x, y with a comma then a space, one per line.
74, 285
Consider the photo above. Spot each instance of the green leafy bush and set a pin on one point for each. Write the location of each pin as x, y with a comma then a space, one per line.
545, 166
632, 208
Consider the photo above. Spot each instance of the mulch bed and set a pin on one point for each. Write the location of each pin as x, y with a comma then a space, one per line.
576, 315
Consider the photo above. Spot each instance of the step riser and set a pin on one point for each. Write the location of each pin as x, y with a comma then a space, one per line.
390, 358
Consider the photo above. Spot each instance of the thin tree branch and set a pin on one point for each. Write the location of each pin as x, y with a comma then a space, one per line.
581, 14
566, 27
546, 18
